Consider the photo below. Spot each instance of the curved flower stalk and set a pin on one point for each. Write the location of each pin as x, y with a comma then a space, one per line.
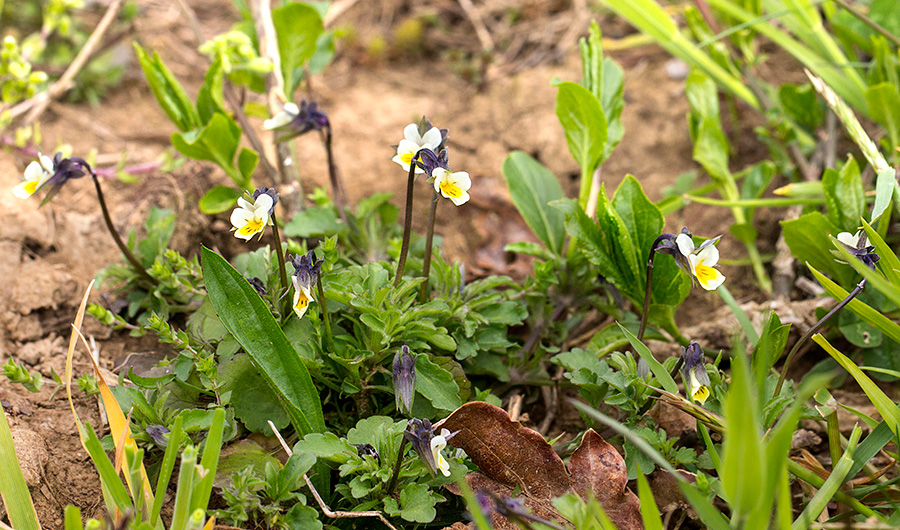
856, 244
54, 173
698, 262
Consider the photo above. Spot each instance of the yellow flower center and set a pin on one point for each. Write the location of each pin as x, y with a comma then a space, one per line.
302, 301
704, 273
701, 394
450, 189
253, 226
31, 186
407, 158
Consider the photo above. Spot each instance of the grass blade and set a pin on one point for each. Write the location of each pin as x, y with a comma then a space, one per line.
863, 310
13, 489
662, 375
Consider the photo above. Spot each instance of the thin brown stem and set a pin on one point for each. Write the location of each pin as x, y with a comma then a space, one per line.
396, 473
337, 187
648, 291
812, 331
424, 290
281, 255
115, 235
329, 340
407, 220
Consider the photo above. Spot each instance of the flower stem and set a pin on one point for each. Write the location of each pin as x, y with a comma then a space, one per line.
407, 220
396, 473
648, 291
337, 187
115, 235
280, 253
429, 239
321, 292
812, 331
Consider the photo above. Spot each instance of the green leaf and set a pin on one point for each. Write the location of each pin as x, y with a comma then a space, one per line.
662, 375
436, 384
253, 401
247, 161
884, 107
416, 504
13, 489
585, 126
532, 187
219, 199
300, 516
890, 263
866, 312
168, 91
317, 221
649, 511
298, 27
885, 184
216, 142
809, 238
844, 196
742, 483
210, 99
323, 445
246, 316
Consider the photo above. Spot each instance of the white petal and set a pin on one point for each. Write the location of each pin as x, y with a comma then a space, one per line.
47, 163
291, 108
264, 201
244, 203
462, 199
411, 133
433, 137
407, 147
461, 179
439, 174
685, 244
279, 120
240, 217
20, 191
709, 256
851, 240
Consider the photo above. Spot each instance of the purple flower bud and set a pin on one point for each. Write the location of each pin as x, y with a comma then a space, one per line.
271, 193
404, 377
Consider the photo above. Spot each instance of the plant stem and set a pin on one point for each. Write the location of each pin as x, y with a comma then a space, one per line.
321, 292
281, 257
645, 311
812, 331
337, 187
393, 483
429, 238
121, 244
407, 220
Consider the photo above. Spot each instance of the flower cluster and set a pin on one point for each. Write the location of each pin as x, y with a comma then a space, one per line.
50, 172
698, 262
251, 218
306, 274
425, 148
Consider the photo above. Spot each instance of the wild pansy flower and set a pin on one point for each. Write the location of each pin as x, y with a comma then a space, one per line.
415, 138
404, 378
294, 121
249, 219
306, 274
420, 434
699, 262
37, 173
693, 373
453, 186
856, 245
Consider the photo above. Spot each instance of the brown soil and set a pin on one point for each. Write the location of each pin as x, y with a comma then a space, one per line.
49, 255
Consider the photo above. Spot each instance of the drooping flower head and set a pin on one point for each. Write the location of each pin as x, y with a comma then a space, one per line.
37, 173
251, 218
693, 372
415, 138
294, 121
271, 193
306, 274
420, 434
403, 374
856, 245
699, 262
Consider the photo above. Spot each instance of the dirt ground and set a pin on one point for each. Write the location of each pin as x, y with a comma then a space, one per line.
49, 255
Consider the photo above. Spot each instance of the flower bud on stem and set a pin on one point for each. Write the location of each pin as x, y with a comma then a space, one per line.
407, 221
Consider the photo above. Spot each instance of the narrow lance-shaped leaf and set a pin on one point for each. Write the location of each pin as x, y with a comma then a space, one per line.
532, 187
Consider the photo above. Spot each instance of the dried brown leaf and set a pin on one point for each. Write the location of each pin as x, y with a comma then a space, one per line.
506, 451
598, 470
538, 508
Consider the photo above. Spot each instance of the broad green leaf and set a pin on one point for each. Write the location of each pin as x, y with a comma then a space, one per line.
801, 103
210, 99
416, 504
246, 316
247, 161
866, 312
532, 187
218, 199
168, 91
317, 221
809, 238
254, 403
884, 107
298, 27
585, 126
883, 404
710, 144
770, 347
216, 142
13, 489
323, 445
885, 186
844, 196
436, 384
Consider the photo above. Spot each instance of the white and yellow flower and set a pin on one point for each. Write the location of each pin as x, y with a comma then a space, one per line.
693, 372
288, 113
306, 274
413, 142
438, 443
37, 174
702, 261
302, 297
453, 186
249, 219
